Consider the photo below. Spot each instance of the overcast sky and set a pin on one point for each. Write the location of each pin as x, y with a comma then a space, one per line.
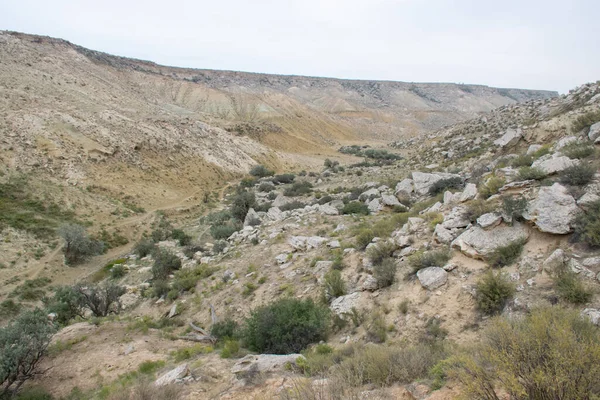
538, 44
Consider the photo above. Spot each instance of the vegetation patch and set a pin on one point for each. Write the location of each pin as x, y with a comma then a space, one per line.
506, 255
493, 292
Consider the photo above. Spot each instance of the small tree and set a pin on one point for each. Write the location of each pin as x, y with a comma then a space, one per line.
165, 263
260, 171
78, 244
67, 303
100, 299
242, 202
23, 344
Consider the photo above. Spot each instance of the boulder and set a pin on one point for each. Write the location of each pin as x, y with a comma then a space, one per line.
334, 244
533, 148
479, 243
564, 141
404, 188
469, 193
275, 214
587, 199
374, 206
450, 198
457, 218
367, 195
443, 235
389, 200
328, 210
555, 260
594, 132
369, 283
489, 220
432, 277
173, 375
344, 304
281, 200
553, 164
510, 138
592, 314
553, 210
263, 363
251, 218
422, 181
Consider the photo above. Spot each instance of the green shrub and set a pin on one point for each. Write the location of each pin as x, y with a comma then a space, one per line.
491, 186
506, 255
355, 207
225, 329
34, 393
286, 326
542, 151
165, 263
587, 225
522, 160
364, 238
431, 258
219, 246
266, 187
144, 247
118, 271
101, 300
578, 150
242, 202
78, 245
149, 367
578, 175
492, 293
442, 185
284, 178
325, 199
476, 208
513, 207
225, 231
23, 344
334, 284
292, 205
185, 279
527, 173
183, 238
260, 171
8, 309
248, 182
585, 121
570, 288
231, 348
298, 189
385, 272
376, 329
186, 353
433, 331
381, 251
550, 353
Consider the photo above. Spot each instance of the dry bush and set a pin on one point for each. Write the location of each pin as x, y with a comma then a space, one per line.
146, 390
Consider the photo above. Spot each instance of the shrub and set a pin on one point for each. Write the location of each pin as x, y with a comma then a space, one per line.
551, 353
578, 175
587, 225
298, 189
144, 389
118, 271
34, 393
242, 202
527, 173
433, 331
376, 329
78, 245
578, 150
284, 178
186, 279
381, 251
266, 187
248, 182
492, 293
506, 255
513, 207
292, 205
355, 207
522, 160
325, 199
144, 247
67, 303
585, 121
260, 171
491, 186
364, 238
23, 344
183, 238
165, 263
477, 208
442, 185
231, 348
225, 230
286, 326
225, 329
219, 246
432, 258
100, 299
385, 272
8, 308
570, 288
334, 284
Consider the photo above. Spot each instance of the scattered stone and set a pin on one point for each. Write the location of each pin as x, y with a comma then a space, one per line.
404, 188
391, 201
262, 363
457, 218
594, 132
510, 138
533, 148
343, 304
564, 141
281, 258
374, 206
553, 164
173, 375
369, 283
251, 218
449, 267
469, 193
432, 277
479, 243
555, 261
422, 181
443, 235
553, 210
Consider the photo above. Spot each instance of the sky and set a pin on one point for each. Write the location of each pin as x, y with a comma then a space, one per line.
532, 44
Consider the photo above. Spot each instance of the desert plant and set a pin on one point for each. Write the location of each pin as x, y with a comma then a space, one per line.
585, 121
551, 353
578, 150
242, 202
364, 237
266, 187
381, 251
513, 207
376, 329
385, 272
477, 208
144, 247
78, 244
492, 293
578, 175
101, 300
292, 205
523, 160
355, 207
165, 263
298, 189
183, 238
431, 258
454, 182
286, 326
528, 173
225, 329
23, 344
491, 186
284, 178
506, 255
333, 284
570, 288
433, 331
219, 246
260, 171
66, 303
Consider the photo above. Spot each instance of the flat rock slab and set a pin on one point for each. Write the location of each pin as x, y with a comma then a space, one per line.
432, 278
479, 243
173, 375
554, 210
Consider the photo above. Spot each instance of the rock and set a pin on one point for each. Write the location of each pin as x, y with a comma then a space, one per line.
423, 181
450, 197
298, 242
553, 210
314, 241
479, 243
533, 148
328, 210
592, 314
344, 304
449, 267
374, 206
404, 188
457, 218
368, 195
338, 204
389, 200
443, 235
173, 311
591, 262
173, 375
489, 220
556, 260
469, 193
587, 199
510, 138
251, 218
275, 214
281, 200
434, 208
564, 141
518, 185
553, 164
262, 363
334, 244
432, 277
281, 258
414, 223
594, 132
369, 283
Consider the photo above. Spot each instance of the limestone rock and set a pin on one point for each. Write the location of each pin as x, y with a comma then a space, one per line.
564, 141
592, 314
594, 132
489, 220
343, 304
275, 214
457, 218
554, 164
262, 363
443, 235
432, 277
369, 194
469, 193
328, 210
533, 148
423, 181
369, 283
251, 218
555, 260
389, 200
479, 243
173, 375
553, 210
374, 206
510, 138
404, 188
